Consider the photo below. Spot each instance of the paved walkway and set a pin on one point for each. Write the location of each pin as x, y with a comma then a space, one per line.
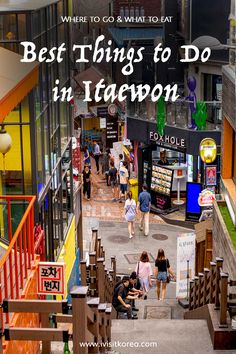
102, 213
173, 336
101, 205
168, 336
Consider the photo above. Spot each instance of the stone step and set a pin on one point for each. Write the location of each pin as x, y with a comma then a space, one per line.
168, 336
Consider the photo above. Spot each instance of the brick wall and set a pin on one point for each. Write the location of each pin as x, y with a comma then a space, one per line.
222, 245
151, 7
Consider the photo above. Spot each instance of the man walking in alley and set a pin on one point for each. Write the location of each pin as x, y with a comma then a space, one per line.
124, 177
97, 153
112, 180
144, 204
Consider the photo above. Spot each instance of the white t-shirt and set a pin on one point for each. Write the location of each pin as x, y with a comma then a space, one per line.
130, 209
123, 175
129, 202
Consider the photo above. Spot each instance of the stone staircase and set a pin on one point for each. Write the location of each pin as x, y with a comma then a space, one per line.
153, 336
162, 329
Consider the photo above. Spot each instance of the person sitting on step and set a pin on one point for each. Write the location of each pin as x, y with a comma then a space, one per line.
121, 298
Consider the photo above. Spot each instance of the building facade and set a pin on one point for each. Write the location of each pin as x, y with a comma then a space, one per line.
40, 161
224, 226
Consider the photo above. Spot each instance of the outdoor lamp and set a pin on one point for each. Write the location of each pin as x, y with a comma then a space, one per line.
5, 141
5, 144
208, 41
213, 43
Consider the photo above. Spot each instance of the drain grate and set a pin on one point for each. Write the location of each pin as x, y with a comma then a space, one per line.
160, 237
157, 312
133, 258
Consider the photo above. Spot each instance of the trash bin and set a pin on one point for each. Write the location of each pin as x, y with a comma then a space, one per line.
133, 187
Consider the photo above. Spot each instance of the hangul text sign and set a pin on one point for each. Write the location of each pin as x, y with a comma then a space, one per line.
51, 278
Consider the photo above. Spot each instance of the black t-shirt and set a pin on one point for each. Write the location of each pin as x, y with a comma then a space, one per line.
113, 174
86, 176
162, 265
122, 291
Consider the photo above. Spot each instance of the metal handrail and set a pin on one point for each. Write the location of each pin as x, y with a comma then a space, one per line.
16, 261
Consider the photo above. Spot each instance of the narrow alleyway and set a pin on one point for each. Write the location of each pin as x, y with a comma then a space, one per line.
108, 216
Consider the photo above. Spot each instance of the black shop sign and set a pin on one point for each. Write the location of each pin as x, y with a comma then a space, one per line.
167, 140
111, 130
111, 126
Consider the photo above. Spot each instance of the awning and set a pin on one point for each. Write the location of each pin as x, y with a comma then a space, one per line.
125, 34
16, 80
91, 74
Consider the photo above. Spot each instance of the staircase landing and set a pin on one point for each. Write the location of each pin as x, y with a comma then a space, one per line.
171, 336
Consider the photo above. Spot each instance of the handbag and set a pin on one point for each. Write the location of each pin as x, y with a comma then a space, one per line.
138, 284
168, 275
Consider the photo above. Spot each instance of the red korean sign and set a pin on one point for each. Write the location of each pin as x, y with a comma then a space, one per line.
51, 278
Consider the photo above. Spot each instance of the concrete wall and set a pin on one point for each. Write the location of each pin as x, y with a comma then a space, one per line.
222, 245
197, 70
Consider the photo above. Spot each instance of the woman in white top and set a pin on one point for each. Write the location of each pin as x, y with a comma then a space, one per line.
144, 272
130, 213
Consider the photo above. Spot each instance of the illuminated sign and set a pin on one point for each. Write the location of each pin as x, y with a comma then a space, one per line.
206, 198
51, 278
167, 140
208, 150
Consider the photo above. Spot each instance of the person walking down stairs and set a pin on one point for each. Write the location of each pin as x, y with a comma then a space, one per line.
130, 213
144, 273
162, 273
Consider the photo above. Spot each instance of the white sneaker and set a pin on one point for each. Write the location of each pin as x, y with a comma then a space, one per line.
130, 236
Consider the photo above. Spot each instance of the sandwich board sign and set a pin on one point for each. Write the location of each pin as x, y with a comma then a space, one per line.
186, 245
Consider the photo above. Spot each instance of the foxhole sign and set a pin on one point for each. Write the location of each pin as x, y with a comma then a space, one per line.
51, 278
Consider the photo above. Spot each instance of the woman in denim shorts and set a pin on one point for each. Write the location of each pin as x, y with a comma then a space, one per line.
162, 268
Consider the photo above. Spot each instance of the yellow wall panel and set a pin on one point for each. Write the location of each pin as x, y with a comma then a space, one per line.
68, 254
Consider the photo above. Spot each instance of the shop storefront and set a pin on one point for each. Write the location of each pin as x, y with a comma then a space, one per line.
40, 161
182, 162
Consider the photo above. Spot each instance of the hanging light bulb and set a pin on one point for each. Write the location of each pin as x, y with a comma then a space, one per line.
5, 144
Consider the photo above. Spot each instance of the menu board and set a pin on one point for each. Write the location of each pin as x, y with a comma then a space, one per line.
145, 170
161, 181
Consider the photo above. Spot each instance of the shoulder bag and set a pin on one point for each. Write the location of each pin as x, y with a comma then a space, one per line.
138, 284
167, 273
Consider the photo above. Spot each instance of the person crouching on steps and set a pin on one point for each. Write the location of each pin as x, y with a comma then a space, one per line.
121, 299
162, 268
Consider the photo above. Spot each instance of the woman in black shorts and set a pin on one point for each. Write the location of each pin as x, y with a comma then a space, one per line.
162, 268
